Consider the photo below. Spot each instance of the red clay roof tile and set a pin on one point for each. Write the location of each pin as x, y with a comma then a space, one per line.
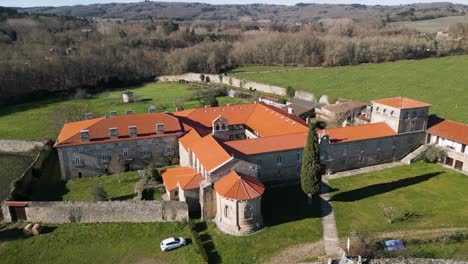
239, 186
354, 133
448, 129
401, 102
185, 177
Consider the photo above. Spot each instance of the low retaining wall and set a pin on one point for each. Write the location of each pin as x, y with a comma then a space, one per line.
20, 145
227, 80
102, 212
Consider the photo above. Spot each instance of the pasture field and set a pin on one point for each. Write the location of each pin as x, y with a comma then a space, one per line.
32, 120
12, 166
434, 25
97, 243
442, 82
422, 195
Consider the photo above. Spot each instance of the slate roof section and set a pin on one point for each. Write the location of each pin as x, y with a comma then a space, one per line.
401, 103
239, 186
451, 130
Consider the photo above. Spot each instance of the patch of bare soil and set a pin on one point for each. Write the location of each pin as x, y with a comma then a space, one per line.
298, 253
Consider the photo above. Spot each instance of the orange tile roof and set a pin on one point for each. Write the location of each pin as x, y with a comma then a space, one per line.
448, 129
268, 144
269, 121
71, 129
401, 102
190, 138
235, 114
99, 128
209, 152
185, 177
239, 186
362, 132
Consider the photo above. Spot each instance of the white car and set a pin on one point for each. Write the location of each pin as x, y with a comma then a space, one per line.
172, 243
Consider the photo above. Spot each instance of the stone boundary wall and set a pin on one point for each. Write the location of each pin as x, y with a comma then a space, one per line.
227, 80
416, 261
103, 212
20, 145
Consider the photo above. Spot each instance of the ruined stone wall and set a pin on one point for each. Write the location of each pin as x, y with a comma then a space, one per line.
227, 80
104, 212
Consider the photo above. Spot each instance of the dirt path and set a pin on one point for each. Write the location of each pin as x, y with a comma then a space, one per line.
297, 253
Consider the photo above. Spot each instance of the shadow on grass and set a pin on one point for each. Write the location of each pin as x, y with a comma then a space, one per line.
207, 242
15, 232
123, 197
284, 205
380, 188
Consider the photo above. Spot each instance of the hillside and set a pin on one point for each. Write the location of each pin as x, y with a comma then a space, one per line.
192, 11
442, 82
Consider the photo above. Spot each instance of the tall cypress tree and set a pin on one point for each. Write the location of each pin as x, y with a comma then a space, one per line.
310, 173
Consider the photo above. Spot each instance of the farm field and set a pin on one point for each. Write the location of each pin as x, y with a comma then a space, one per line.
288, 219
422, 195
97, 243
441, 82
434, 25
12, 166
32, 119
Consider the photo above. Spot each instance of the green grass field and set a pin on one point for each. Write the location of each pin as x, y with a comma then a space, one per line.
288, 219
434, 25
97, 243
117, 187
433, 197
456, 250
259, 68
442, 82
12, 166
31, 120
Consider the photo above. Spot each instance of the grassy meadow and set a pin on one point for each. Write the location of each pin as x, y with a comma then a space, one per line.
288, 220
442, 82
97, 243
12, 166
434, 25
423, 196
31, 120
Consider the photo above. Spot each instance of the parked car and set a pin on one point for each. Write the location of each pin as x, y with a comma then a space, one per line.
172, 243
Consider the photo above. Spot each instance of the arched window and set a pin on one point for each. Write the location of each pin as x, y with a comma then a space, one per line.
223, 126
385, 111
226, 211
377, 109
248, 212
392, 113
217, 126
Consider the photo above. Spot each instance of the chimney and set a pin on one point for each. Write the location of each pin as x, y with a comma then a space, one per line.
290, 110
206, 106
159, 128
152, 110
132, 131
89, 116
129, 112
113, 133
113, 113
84, 135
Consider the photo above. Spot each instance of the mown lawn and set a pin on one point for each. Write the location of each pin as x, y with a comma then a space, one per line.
432, 196
288, 219
31, 120
117, 187
454, 250
434, 25
97, 243
442, 82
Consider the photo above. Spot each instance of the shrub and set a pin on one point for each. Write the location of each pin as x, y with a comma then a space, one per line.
99, 193
434, 154
291, 92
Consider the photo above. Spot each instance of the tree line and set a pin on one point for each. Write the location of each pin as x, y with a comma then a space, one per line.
54, 54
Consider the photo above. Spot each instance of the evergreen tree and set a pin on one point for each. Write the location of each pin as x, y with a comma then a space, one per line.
310, 173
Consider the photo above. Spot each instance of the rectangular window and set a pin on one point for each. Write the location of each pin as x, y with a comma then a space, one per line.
77, 160
98, 147
110, 146
259, 163
299, 157
362, 148
125, 152
150, 141
279, 161
279, 172
168, 151
80, 148
103, 156
345, 151
139, 142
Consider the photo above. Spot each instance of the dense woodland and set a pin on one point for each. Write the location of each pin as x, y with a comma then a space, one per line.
55, 54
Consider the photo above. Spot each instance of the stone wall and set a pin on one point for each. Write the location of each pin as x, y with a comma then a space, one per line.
305, 96
20, 145
103, 212
227, 80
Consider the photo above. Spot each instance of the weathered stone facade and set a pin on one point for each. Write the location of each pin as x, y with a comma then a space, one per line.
237, 217
401, 120
102, 212
90, 160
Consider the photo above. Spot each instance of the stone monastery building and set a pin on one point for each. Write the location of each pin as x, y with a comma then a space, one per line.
228, 154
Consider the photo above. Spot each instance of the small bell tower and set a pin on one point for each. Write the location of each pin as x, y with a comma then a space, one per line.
220, 128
